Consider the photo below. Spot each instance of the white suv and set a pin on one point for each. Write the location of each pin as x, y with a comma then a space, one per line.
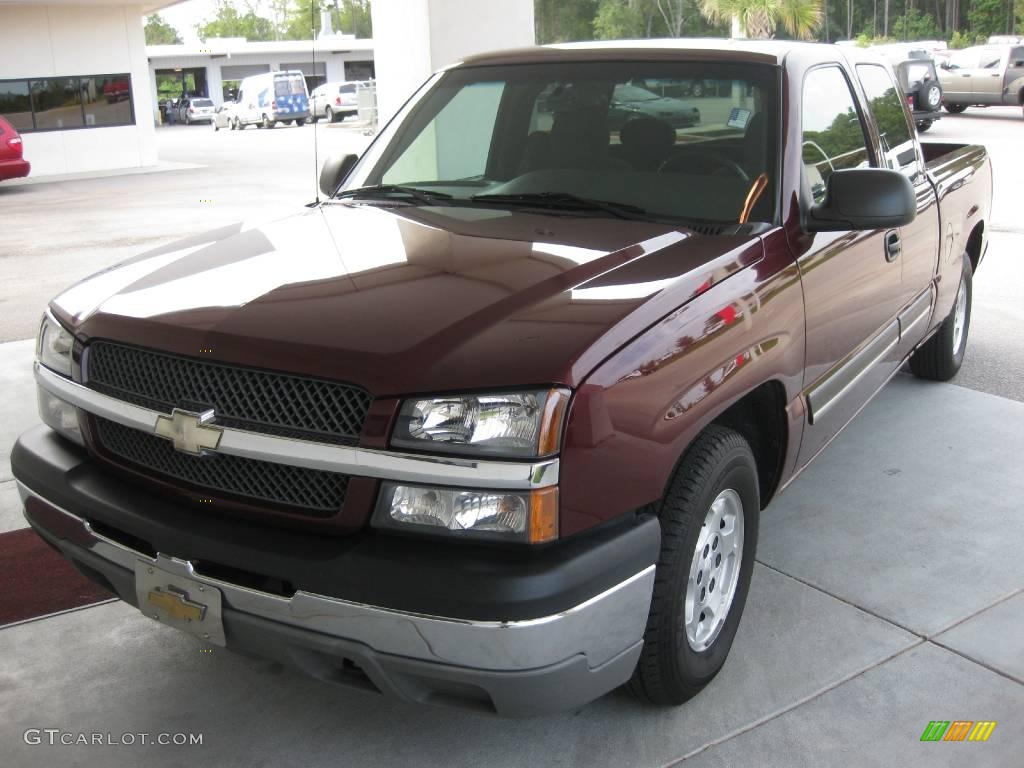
334, 101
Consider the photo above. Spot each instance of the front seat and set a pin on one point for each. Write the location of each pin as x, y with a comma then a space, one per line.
647, 142
579, 140
755, 146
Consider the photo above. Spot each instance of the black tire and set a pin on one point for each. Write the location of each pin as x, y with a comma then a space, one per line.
924, 125
287, 122
955, 109
929, 97
938, 359
301, 121
268, 123
669, 670
329, 114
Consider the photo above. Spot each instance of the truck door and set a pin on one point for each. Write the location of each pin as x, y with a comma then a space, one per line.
852, 284
958, 75
987, 80
918, 241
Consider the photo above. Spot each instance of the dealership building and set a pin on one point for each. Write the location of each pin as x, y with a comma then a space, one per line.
74, 81
79, 83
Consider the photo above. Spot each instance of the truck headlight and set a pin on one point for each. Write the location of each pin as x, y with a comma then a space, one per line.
53, 348
507, 425
530, 516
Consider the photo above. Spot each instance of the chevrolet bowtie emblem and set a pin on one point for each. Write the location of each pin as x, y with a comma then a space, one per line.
176, 604
189, 431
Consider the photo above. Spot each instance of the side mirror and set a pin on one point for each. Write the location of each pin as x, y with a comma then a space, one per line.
945, 65
335, 170
864, 198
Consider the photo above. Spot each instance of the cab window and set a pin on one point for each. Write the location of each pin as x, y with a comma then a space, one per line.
886, 106
833, 135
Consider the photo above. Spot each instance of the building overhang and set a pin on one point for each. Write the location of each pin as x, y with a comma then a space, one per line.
146, 7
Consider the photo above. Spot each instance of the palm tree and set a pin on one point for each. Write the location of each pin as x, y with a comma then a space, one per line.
760, 18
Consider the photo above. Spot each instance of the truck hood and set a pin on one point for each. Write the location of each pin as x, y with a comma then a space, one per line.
402, 299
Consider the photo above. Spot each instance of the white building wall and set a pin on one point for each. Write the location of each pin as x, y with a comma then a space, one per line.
414, 38
69, 40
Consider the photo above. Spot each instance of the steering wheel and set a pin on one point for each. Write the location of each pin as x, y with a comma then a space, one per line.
690, 158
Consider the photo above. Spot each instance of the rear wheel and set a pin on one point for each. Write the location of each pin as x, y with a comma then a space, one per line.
329, 115
929, 97
300, 121
924, 125
268, 123
939, 358
955, 109
709, 520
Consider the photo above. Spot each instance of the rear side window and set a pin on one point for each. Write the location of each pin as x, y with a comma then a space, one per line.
887, 107
833, 136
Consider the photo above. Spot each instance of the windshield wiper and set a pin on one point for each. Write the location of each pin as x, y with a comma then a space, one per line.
565, 201
392, 191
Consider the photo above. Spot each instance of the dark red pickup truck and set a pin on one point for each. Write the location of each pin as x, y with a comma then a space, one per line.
492, 424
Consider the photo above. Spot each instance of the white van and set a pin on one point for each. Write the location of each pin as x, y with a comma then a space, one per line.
271, 98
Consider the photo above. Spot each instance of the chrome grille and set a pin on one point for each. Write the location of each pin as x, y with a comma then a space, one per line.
316, 492
245, 398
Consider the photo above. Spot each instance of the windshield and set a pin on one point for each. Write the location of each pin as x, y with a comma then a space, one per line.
630, 134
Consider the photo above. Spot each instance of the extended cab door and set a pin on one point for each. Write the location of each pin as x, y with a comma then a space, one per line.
852, 281
899, 150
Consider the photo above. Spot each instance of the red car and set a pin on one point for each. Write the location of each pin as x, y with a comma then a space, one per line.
12, 164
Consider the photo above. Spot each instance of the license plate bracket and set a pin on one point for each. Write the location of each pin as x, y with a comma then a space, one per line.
180, 602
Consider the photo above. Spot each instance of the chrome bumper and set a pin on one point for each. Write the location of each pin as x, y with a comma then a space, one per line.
600, 628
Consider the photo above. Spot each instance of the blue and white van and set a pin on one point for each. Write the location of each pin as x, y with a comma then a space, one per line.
270, 98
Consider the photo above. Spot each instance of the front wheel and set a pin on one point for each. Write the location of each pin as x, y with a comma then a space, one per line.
955, 109
709, 520
939, 358
300, 121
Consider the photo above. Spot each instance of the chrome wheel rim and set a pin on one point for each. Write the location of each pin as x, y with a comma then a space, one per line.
714, 571
960, 316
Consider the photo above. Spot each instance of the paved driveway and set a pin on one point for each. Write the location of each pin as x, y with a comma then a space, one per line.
889, 590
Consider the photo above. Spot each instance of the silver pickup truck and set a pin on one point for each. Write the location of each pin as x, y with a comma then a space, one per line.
985, 75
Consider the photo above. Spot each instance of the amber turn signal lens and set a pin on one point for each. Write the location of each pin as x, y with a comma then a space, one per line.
543, 515
551, 424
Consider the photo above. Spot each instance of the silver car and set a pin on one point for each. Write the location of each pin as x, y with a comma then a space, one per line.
196, 109
334, 101
224, 117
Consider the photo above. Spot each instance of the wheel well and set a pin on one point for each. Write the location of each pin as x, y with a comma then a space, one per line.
760, 416
974, 245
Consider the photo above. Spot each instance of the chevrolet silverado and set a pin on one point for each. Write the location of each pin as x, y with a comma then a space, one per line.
491, 424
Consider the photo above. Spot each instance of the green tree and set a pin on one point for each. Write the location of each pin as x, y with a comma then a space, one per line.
914, 24
761, 19
618, 20
159, 32
229, 22
560, 21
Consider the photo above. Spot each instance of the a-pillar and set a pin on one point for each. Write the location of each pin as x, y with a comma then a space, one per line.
414, 38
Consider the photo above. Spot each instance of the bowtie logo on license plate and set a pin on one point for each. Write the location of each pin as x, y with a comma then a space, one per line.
189, 432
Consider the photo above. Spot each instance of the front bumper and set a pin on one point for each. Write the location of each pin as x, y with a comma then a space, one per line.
583, 644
